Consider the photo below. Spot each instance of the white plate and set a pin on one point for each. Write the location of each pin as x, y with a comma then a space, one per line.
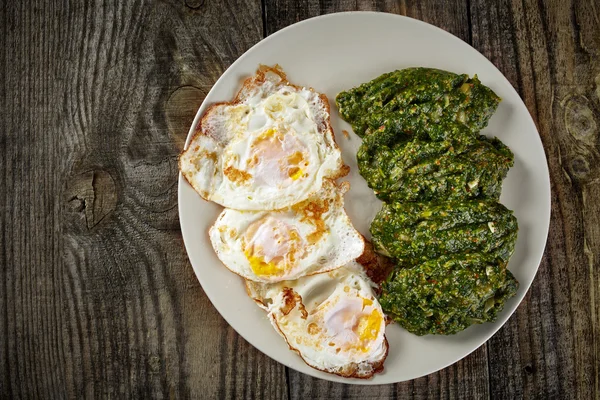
336, 52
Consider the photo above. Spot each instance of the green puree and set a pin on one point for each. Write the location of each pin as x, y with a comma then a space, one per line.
440, 181
412, 233
418, 102
421, 136
448, 294
420, 170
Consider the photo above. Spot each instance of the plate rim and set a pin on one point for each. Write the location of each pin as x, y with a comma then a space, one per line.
402, 18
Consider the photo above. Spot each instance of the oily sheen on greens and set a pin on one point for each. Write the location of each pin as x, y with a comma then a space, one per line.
419, 170
447, 294
413, 233
418, 101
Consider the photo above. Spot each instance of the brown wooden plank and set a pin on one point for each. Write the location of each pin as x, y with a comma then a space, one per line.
98, 298
466, 379
469, 377
30, 320
550, 53
450, 15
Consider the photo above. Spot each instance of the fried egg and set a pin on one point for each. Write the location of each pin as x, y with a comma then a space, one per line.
268, 149
332, 320
310, 237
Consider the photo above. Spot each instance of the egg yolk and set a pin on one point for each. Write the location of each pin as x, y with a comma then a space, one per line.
272, 247
263, 268
368, 326
350, 325
277, 158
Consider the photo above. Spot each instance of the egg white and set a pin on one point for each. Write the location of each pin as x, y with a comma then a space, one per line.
321, 318
310, 237
268, 149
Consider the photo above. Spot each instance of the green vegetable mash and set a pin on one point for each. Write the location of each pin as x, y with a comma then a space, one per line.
418, 101
440, 180
413, 233
447, 294
421, 170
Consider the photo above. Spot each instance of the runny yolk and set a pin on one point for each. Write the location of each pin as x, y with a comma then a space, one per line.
295, 173
278, 156
367, 327
295, 158
272, 247
261, 267
350, 324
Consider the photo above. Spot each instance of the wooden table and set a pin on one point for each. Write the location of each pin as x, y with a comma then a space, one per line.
97, 297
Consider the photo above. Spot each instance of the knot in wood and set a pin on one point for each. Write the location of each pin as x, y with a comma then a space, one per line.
581, 149
580, 168
180, 110
93, 195
194, 4
579, 119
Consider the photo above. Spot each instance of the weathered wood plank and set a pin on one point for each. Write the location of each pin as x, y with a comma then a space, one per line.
550, 53
98, 298
30, 310
451, 15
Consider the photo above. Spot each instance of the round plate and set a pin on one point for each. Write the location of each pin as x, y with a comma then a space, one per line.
336, 52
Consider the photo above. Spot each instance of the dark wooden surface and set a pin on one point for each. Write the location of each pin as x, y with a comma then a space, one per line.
97, 297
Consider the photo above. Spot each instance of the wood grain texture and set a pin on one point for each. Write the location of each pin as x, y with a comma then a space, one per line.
550, 53
98, 299
450, 15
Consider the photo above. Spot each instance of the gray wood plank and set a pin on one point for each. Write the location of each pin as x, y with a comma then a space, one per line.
30, 310
550, 53
98, 298
450, 15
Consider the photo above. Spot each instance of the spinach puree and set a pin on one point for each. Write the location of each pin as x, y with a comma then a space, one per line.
440, 180
447, 294
418, 101
412, 233
421, 170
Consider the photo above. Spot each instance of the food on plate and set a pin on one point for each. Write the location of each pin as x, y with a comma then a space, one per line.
418, 102
270, 158
412, 233
376, 266
307, 238
421, 170
440, 180
269, 148
447, 294
332, 320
